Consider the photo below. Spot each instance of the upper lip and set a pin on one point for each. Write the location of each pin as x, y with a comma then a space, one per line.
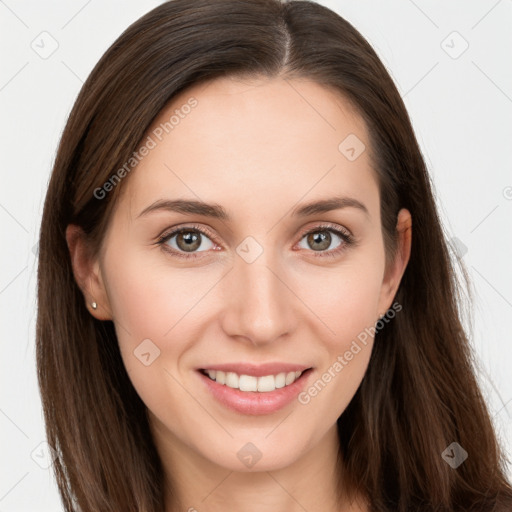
257, 370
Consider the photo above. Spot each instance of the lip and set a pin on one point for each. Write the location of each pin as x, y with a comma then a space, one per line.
253, 402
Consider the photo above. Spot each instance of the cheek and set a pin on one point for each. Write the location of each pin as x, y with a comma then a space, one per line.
158, 310
149, 299
349, 310
344, 299
153, 307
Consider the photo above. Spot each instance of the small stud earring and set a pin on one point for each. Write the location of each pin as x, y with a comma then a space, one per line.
94, 305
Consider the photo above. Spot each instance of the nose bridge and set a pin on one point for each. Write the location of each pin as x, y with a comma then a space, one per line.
259, 303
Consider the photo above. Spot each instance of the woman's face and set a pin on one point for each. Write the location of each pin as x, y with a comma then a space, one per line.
257, 297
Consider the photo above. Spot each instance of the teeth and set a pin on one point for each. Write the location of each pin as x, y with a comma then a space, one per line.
219, 376
290, 377
232, 380
250, 383
267, 383
280, 380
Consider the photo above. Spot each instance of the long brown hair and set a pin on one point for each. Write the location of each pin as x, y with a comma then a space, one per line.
419, 394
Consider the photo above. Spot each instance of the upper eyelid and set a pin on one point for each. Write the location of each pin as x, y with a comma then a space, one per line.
167, 234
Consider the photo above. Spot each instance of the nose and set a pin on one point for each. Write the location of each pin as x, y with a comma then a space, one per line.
259, 303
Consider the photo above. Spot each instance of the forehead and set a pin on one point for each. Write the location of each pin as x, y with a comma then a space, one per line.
250, 143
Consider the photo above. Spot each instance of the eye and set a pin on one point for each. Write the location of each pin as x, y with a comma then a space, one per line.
320, 240
189, 241
185, 242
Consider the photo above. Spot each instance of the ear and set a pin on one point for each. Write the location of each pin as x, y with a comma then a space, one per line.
87, 272
396, 269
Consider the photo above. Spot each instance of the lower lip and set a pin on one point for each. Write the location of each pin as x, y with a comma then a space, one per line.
253, 402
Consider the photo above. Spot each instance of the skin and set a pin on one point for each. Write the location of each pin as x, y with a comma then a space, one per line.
259, 148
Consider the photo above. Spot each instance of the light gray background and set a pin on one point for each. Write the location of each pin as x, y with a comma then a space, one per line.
461, 108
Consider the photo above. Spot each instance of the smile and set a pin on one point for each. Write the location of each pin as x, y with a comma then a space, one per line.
255, 389
263, 384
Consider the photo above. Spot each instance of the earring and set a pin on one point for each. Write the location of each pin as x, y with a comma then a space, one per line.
94, 305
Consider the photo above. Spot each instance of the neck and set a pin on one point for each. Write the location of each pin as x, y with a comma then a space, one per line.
194, 483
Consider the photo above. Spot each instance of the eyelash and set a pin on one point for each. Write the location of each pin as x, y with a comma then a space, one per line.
348, 240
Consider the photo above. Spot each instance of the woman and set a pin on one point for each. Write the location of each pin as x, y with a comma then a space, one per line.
246, 301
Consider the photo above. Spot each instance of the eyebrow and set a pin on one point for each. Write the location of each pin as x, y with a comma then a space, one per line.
216, 211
